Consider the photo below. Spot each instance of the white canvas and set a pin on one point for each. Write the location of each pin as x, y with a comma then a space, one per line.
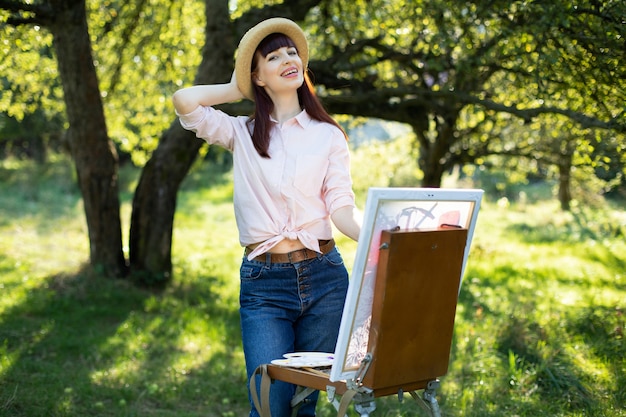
385, 209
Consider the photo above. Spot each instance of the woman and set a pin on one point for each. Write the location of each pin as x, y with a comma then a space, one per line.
291, 179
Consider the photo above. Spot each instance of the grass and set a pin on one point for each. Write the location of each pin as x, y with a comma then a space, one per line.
539, 328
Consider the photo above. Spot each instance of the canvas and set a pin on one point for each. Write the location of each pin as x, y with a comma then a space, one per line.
393, 209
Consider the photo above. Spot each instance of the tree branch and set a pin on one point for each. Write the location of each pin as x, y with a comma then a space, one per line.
18, 6
25, 13
528, 114
295, 10
604, 17
403, 104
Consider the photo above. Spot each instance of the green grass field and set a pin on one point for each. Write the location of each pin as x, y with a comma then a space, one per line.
539, 328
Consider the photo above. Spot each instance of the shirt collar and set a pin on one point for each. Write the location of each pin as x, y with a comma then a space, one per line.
303, 119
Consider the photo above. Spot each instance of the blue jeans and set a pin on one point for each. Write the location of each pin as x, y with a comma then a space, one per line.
287, 308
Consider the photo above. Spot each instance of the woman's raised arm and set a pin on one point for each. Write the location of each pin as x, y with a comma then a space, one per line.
188, 99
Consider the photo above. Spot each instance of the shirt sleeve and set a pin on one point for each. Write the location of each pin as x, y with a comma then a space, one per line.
214, 126
338, 182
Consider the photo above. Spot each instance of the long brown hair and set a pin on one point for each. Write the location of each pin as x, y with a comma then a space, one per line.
264, 104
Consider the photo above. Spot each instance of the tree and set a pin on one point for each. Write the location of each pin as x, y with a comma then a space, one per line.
459, 73
155, 198
92, 151
448, 68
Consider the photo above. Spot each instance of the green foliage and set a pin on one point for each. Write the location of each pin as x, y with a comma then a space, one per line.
487, 70
239, 7
539, 327
144, 51
481, 60
29, 72
32, 115
397, 167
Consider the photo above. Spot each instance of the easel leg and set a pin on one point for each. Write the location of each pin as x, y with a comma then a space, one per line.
299, 398
428, 401
364, 404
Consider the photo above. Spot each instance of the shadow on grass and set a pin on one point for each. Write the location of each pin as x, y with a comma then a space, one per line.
28, 191
583, 226
602, 329
548, 366
537, 362
82, 345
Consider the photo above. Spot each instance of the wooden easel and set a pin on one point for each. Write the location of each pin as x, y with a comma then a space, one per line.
415, 298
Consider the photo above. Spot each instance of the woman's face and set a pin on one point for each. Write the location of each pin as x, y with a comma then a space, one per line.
280, 71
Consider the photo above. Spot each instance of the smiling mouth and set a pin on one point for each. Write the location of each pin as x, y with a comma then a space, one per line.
289, 72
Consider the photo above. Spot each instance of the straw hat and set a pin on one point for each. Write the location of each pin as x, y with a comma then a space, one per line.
254, 36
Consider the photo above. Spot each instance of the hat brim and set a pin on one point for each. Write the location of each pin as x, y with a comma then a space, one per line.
254, 36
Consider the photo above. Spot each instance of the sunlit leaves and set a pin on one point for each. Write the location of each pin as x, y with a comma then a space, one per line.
29, 72
238, 7
144, 51
497, 55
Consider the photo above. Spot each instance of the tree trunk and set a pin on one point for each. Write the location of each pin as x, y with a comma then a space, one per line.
154, 203
434, 155
93, 152
565, 169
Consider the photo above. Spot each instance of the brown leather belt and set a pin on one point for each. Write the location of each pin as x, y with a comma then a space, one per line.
295, 256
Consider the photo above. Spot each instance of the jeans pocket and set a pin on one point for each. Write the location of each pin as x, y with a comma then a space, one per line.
333, 258
251, 271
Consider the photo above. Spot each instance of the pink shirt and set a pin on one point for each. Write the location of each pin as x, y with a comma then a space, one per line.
290, 195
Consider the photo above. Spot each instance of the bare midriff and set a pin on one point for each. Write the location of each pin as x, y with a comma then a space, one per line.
284, 246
